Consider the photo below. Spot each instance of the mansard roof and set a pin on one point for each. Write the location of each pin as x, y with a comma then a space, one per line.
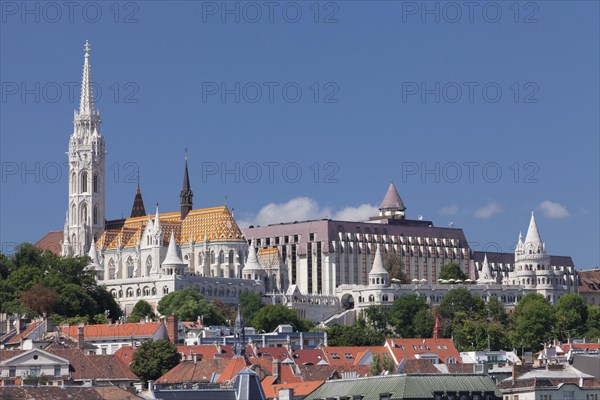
216, 224
328, 230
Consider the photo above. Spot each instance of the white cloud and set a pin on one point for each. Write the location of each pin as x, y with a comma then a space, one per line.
553, 210
449, 210
360, 213
488, 210
303, 208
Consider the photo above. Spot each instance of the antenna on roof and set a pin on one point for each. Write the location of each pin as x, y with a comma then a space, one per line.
420, 218
451, 224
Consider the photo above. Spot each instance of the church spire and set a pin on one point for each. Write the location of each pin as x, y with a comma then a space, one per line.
86, 102
186, 195
138, 209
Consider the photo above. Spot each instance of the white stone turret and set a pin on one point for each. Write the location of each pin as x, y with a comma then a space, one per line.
378, 274
252, 268
173, 264
95, 262
485, 276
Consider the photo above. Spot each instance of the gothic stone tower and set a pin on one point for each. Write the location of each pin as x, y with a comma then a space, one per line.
85, 215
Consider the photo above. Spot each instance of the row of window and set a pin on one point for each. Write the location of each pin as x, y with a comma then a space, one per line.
34, 370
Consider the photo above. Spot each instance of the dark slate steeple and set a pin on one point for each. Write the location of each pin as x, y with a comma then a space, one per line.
186, 195
138, 209
239, 347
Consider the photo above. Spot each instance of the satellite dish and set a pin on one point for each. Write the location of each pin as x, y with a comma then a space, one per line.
451, 224
420, 218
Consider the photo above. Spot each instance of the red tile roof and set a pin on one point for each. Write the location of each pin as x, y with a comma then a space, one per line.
191, 372
350, 355
208, 351
23, 335
125, 330
308, 356
410, 348
97, 367
51, 242
234, 366
300, 388
66, 393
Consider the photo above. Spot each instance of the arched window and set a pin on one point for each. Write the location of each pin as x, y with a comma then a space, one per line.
153, 291
83, 216
212, 257
120, 293
200, 260
73, 183
230, 256
95, 215
84, 182
129, 293
138, 292
146, 291
111, 269
165, 290
95, 183
148, 265
129, 268
221, 257
73, 214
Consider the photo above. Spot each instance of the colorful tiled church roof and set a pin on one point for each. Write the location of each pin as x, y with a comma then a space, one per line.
216, 224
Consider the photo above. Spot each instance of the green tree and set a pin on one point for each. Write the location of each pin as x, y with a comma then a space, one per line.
187, 305
153, 359
393, 264
388, 363
452, 271
375, 368
469, 335
269, 317
533, 321
355, 335
461, 300
593, 323
377, 317
571, 314
404, 310
423, 324
77, 293
250, 303
141, 309
495, 310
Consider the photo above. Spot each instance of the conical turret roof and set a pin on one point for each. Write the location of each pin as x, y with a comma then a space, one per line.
392, 200
94, 256
378, 268
252, 260
533, 234
173, 257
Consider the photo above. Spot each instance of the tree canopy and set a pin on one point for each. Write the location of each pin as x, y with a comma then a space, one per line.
187, 305
141, 309
154, 359
452, 271
403, 312
272, 315
33, 282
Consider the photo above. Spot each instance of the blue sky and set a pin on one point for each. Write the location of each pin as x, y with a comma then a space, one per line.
301, 109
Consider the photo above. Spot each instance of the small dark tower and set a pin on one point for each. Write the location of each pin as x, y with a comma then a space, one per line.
240, 337
138, 209
186, 195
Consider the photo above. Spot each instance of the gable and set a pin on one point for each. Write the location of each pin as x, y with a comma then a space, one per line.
34, 357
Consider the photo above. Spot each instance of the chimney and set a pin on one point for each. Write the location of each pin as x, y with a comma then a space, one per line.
286, 394
195, 358
172, 329
276, 365
80, 336
151, 386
